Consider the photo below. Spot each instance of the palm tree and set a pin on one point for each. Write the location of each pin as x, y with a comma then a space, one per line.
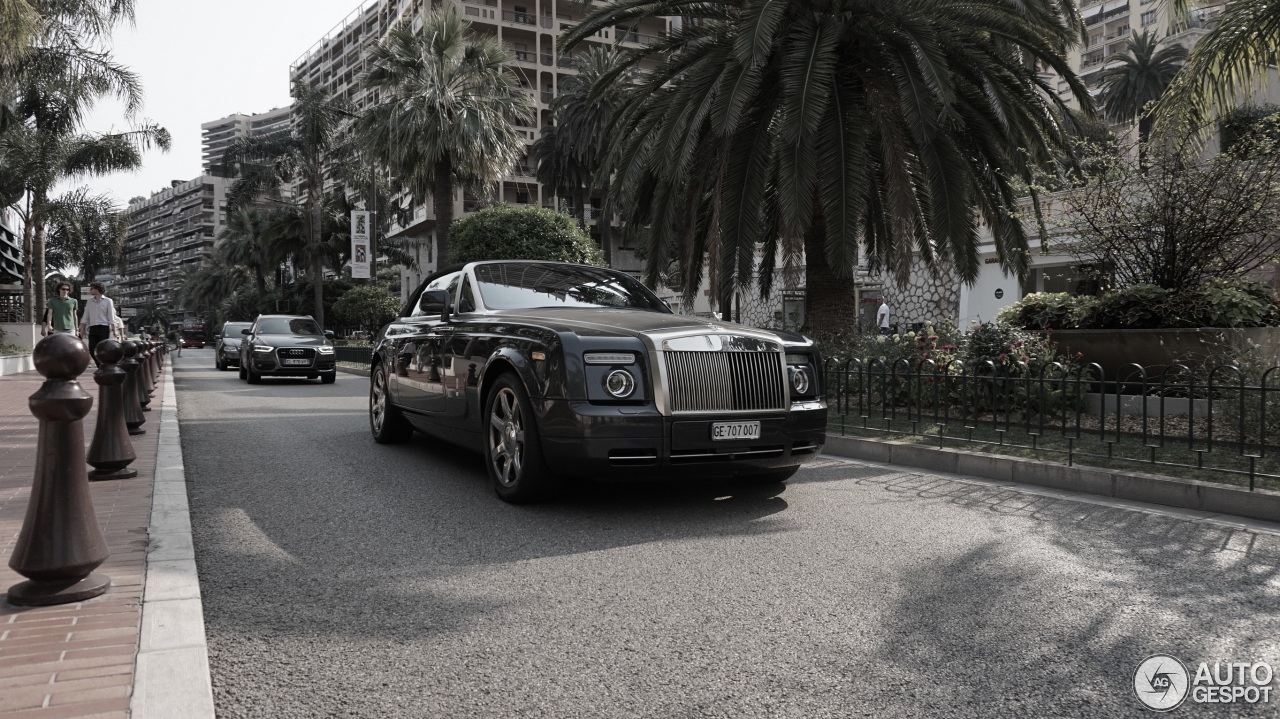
822, 128
246, 241
446, 101
1144, 72
264, 165
85, 231
56, 81
572, 153
1235, 56
19, 23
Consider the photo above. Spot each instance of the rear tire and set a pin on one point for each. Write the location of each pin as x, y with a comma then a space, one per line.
385, 421
513, 448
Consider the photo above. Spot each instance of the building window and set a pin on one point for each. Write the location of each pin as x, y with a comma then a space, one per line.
1149, 17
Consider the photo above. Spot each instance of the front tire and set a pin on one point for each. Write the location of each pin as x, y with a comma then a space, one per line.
776, 477
242, 372
513, 450
253, 377
329, 378
385, 421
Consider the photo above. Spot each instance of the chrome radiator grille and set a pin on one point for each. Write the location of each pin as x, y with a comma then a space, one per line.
725, 381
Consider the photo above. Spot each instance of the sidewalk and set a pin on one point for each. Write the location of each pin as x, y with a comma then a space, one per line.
84, 659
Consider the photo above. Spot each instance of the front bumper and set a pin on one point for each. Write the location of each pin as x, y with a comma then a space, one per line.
606, 442
231, 356
267, 364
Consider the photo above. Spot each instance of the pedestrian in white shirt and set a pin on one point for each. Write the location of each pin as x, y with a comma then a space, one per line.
99, 317
882, 318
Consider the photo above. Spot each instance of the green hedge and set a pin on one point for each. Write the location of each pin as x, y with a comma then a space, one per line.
1218, 303
500, 232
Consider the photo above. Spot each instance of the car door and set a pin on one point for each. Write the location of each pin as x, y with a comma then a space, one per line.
416, 380
461, 351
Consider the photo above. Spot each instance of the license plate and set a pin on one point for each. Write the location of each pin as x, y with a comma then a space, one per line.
297, 361
735, 430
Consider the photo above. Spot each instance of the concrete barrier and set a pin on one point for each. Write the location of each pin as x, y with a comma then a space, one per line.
1153, 489
13, 364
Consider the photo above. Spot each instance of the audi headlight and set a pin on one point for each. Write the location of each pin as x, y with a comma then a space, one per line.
620, 384
800, 380
326, 350
263, 348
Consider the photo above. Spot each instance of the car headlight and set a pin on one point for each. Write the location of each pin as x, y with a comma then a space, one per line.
326, 350
799, 379
263, 348
620, 384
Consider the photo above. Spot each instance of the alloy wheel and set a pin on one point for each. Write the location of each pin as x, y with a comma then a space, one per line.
506, 437
378, 400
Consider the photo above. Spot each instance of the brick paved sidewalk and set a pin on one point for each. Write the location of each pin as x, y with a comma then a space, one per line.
73, 660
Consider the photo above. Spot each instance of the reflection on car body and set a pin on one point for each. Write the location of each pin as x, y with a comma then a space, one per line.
552, 370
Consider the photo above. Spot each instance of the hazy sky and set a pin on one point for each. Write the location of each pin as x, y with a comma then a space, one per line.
201, 60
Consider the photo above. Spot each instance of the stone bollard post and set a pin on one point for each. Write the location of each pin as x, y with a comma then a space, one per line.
60, 543
155, 365
111, 452
133, 417
145, 384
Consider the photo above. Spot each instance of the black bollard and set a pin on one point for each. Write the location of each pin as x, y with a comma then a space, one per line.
111, 452
133, 416
145, 385
60, 543
155, 365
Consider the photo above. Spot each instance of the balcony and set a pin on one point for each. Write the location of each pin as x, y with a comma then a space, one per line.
519, 18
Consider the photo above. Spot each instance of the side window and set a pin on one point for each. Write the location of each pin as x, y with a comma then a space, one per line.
449, 282
466, 299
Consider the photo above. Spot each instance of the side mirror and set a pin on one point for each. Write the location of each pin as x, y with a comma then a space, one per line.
435, 302
328, 334
244, 331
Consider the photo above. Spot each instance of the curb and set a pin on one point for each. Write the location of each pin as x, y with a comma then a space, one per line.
1154, 489
171, 676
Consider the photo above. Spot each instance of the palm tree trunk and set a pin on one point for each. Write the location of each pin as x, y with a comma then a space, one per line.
260, 281
38, 206
317, 259
442, 195
606, 229
830, 301
28, 273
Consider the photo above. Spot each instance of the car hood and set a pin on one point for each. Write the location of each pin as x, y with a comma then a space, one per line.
292, 340
611, 322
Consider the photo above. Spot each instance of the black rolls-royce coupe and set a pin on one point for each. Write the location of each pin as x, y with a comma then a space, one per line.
551, 370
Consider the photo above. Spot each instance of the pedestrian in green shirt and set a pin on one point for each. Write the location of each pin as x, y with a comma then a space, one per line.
61, 313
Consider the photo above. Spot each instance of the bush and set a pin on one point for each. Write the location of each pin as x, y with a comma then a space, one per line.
367, 306
1138, 307
500, 232
1047, 310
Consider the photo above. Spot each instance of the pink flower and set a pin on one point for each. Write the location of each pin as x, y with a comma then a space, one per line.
1003, 357
1023, 358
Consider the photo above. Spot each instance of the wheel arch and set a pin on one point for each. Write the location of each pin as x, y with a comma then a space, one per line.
504, 359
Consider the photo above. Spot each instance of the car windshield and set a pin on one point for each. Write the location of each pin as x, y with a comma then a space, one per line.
524, 285
231, 331
288, 326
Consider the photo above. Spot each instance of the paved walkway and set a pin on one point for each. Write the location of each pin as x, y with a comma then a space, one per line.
83, 659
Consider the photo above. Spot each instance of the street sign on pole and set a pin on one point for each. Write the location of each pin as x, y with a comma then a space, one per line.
360, 244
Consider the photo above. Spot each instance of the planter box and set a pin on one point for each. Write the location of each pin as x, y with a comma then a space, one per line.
13, 364
1115, 350
1132, 405
20, 334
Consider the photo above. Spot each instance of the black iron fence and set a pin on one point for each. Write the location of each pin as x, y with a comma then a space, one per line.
1220, 423
357, 357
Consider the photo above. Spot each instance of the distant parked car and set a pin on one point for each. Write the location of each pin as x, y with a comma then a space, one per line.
359, 335
287, 346
226, 345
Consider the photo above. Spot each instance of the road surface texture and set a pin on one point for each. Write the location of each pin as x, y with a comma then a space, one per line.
346, 579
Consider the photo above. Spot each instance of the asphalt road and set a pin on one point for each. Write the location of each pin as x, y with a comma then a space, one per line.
346, 579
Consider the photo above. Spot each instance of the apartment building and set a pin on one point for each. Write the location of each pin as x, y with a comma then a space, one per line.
530, 28
168, 232
217, 135
10, 266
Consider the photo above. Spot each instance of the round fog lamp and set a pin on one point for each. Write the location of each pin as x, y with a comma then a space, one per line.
620, 384
799, 380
